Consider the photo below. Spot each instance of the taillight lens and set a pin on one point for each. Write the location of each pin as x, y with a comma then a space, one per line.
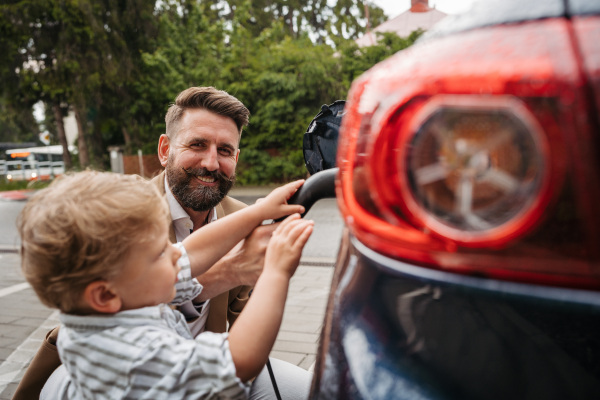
472, 169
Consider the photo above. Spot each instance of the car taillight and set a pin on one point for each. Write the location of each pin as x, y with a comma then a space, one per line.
469, 168
458, 154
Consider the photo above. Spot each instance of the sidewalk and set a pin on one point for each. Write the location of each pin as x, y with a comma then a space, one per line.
25, 321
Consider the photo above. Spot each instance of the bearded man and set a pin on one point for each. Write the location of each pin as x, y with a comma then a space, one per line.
199, 151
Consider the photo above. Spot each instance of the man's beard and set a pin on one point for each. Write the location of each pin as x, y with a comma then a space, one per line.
200, 198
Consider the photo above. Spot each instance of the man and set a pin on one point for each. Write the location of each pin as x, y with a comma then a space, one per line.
199, 151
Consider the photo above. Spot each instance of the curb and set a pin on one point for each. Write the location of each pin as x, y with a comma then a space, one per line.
16, 195
8, 248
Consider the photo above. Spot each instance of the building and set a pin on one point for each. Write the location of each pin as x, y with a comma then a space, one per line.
420, 15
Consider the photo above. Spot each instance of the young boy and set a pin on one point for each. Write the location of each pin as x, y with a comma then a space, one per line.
95, 246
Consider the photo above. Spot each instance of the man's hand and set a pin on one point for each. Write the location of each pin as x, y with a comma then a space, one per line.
241, 266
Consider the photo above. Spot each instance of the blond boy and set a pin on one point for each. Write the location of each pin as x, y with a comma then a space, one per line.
95, 246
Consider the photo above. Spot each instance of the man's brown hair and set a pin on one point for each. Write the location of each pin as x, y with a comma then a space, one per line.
81, 228
208, 98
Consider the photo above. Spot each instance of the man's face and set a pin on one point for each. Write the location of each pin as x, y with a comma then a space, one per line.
201, 159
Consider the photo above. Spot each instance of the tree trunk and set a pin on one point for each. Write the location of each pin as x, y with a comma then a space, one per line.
126, 137
62, 137
84, 158
98, 148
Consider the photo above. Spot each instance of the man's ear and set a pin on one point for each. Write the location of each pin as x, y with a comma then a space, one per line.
237, 155
99, 296
163, 149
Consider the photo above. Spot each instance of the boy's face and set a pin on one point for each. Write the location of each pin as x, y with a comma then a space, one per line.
149, 273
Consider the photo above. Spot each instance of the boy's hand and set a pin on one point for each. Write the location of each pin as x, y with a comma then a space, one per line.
285, 248
275, 204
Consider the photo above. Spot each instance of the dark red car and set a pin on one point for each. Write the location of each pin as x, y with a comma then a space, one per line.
469, 185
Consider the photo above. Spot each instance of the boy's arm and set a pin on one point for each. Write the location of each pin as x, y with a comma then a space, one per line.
255, 330
208, 244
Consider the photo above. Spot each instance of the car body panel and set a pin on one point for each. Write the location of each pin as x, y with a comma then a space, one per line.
498, 12
396, 331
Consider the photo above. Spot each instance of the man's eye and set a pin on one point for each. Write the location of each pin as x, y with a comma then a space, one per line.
225, 152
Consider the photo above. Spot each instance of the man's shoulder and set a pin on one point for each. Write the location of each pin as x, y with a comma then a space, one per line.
230, 205
159, 182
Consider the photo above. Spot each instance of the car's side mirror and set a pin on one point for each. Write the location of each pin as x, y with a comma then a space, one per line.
321, 138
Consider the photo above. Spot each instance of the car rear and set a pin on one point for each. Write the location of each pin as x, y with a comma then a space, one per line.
469, 177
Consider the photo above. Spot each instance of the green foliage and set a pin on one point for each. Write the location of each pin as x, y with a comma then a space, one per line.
261, 167
17, 123
356, 60
121, 63
6, 185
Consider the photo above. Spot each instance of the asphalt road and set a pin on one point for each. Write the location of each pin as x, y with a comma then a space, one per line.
9, 210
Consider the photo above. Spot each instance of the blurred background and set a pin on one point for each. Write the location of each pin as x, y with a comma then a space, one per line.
86, 83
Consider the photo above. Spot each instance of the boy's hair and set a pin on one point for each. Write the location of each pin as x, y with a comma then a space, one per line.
81, 228
208, 98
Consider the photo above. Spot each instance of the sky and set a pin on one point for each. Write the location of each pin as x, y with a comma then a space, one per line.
394, 7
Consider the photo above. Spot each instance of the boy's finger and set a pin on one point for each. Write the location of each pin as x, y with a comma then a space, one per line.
294, 208
284, 226
292, 187
297, 229
304, 235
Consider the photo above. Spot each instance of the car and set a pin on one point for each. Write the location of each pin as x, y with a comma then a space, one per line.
466, 171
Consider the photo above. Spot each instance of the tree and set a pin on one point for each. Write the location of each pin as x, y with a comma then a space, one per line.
72, 52
356, 60
322, 20
17, 123
119, 64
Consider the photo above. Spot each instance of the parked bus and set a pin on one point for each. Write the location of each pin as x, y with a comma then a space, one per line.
33, 163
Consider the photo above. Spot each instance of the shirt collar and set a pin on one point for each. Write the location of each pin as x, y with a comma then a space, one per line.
177, 212
140, 316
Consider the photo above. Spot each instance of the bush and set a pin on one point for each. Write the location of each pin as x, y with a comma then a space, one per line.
258, 167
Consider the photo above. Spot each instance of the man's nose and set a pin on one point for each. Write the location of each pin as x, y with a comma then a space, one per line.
210, 160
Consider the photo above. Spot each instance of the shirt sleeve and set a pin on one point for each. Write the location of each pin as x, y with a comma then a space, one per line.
187, 288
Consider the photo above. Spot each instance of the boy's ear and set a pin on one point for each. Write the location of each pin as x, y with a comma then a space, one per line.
163, 149
101, 298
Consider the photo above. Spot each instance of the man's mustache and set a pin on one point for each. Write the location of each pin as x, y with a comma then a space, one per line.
216, 175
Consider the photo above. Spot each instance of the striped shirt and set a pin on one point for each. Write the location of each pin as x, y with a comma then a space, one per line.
147, 353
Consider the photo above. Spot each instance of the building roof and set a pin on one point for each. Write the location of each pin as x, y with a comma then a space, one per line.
404, 24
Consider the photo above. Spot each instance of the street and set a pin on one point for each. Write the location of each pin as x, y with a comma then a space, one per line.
25, 321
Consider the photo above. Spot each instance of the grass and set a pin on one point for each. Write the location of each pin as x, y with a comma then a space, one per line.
6, 185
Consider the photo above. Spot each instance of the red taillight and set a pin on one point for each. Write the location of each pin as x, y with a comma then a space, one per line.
472, 169
456, 153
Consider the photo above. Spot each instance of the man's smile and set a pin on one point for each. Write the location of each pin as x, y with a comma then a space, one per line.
206, 179
202, 175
